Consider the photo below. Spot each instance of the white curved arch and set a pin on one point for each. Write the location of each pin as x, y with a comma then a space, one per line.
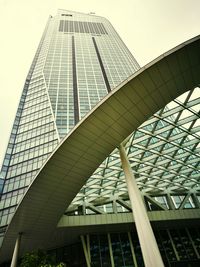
93, 138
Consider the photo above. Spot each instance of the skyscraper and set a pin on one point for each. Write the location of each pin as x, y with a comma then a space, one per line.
79, 60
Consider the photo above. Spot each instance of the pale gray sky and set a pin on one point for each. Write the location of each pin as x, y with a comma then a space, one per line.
148, 27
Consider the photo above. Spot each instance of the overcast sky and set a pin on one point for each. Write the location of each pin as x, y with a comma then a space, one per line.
148, 27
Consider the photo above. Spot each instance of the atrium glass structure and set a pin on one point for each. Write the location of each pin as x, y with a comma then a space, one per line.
79, 60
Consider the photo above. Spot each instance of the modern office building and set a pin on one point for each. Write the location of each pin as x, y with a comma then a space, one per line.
1, 184
80, 59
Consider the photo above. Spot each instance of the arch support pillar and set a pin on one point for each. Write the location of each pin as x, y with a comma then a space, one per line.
149, 247
16, 251
85, 250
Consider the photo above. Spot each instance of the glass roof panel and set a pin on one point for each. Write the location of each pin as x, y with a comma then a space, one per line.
163, 153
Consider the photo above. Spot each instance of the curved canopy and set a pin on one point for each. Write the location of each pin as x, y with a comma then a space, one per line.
121, 112
164, 153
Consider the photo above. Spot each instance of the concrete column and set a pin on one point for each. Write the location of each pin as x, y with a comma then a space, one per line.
132, 250
88, 247
193, 244
16, 251
85, 251
149, 247
173, 246
110, 250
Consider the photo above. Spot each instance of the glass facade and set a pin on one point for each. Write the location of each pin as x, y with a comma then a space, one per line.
79, 59
179, 248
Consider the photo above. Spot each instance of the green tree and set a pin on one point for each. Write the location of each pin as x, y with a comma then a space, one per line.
39, 259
